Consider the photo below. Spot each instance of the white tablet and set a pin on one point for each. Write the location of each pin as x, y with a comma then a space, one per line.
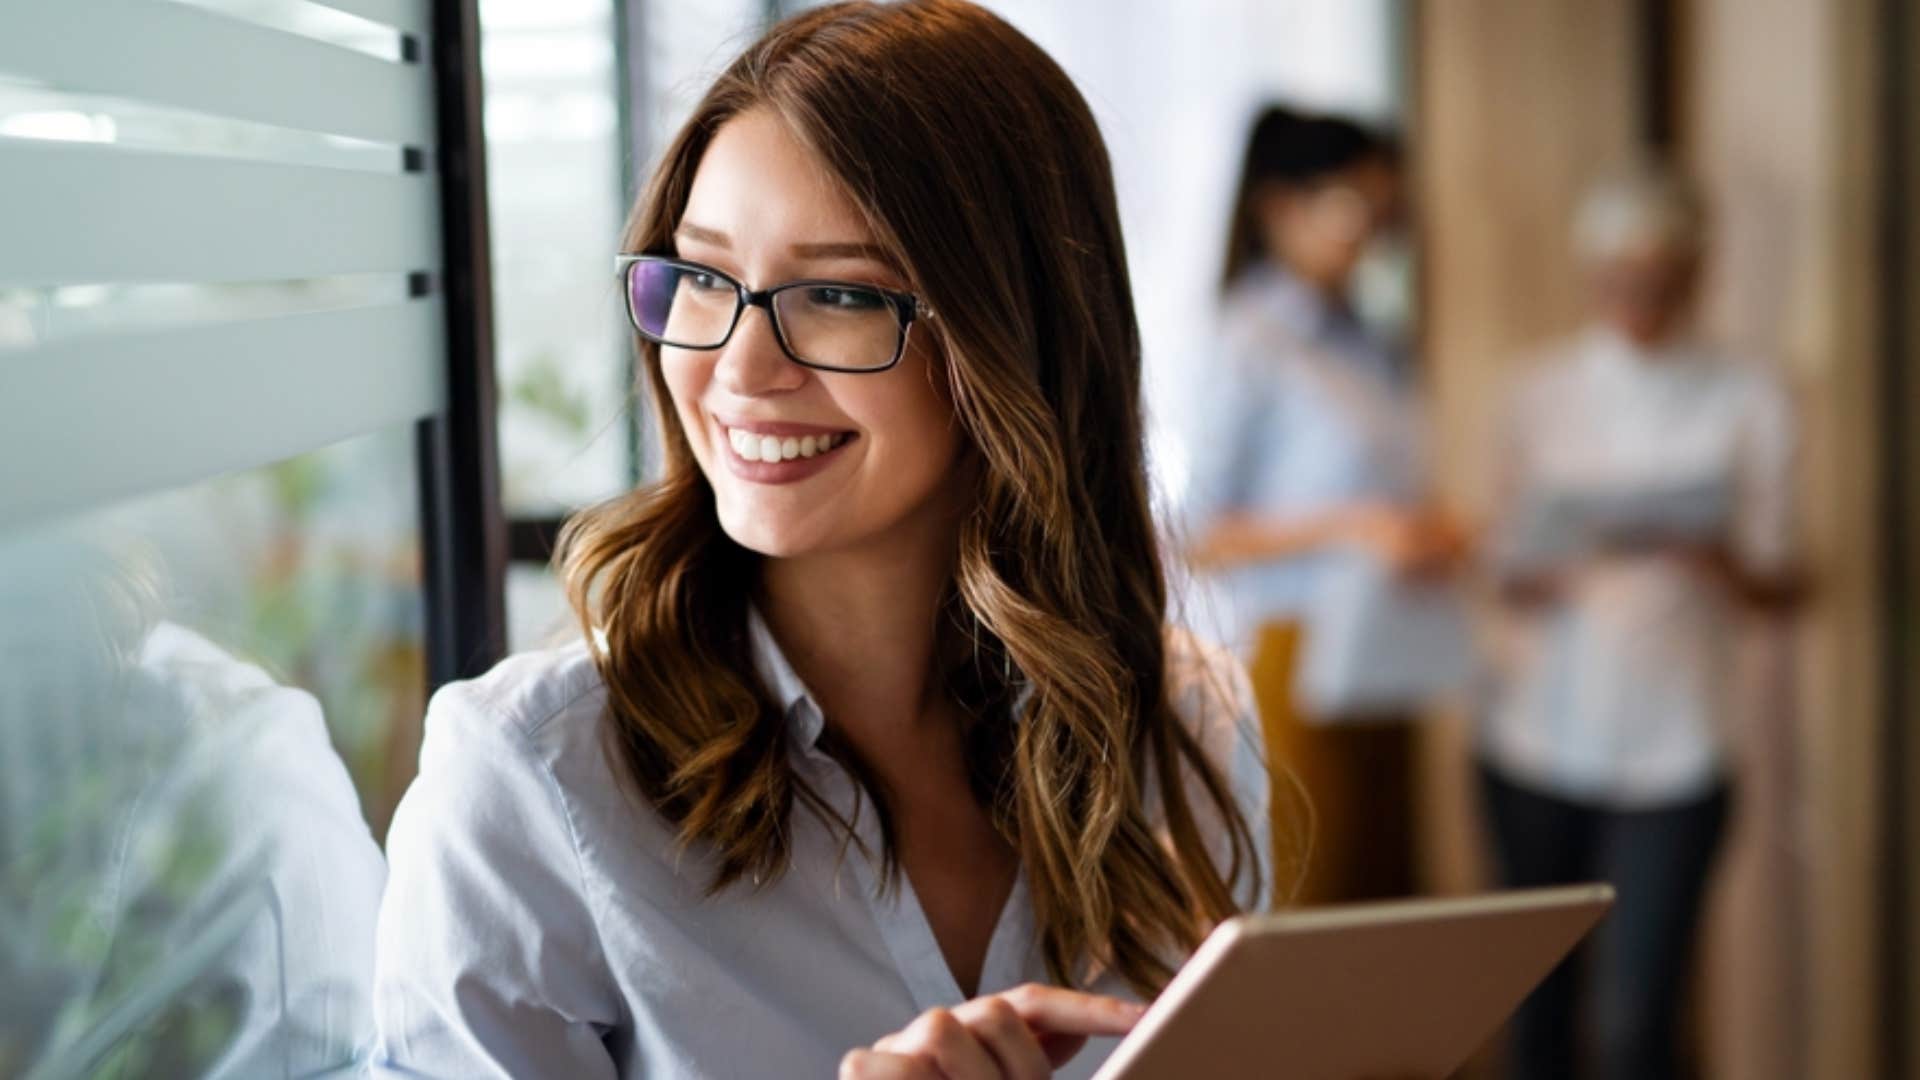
1406, 989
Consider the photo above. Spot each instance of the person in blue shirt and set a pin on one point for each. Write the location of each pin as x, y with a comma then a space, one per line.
1305, 452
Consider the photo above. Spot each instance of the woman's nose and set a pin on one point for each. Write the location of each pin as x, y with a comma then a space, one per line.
752, 363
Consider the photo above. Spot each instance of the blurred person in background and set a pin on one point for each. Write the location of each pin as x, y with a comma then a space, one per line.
1307, 451
1645, 498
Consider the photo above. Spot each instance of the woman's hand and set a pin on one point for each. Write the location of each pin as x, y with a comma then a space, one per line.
1718, 563
1411, 542
1418, 542
1021, 1034
1238, 539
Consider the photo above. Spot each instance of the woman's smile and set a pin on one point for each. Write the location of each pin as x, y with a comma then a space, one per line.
779, 452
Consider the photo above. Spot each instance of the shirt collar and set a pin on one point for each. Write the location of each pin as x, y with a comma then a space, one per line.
1617, 349
805, 721
1620, 364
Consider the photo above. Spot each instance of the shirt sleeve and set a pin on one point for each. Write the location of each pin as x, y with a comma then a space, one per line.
1764, 533
488, 961
1228, 432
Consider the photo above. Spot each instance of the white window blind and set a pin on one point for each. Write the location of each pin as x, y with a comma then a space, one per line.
165, 165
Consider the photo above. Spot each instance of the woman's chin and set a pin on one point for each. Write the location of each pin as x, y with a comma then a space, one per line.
770, 539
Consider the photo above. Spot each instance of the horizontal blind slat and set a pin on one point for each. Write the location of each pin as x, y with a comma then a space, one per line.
408, 16
190, 58
87, 421
76, 213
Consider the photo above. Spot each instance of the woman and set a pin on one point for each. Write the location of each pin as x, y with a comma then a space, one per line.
1646, 499
876, 727
1310, 453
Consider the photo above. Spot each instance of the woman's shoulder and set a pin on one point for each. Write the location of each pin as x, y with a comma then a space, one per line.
1545, 381
498, 743
505, 761
543, 696
1243, 304
1260, 316
491, 919
1756, 382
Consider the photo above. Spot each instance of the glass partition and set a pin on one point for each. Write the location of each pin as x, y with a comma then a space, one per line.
205, 696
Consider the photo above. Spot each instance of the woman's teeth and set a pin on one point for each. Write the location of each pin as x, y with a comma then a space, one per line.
753, 447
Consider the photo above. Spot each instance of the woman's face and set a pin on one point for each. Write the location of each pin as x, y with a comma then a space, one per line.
766, 210
1320, 230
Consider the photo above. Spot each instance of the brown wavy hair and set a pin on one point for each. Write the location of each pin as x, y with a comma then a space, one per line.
980, 168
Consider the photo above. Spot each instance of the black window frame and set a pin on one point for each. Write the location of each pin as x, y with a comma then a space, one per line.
464, 542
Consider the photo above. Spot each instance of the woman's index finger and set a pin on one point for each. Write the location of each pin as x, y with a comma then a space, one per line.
1059, 1011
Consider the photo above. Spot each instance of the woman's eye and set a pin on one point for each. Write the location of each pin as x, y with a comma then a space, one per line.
705, 281
842, 299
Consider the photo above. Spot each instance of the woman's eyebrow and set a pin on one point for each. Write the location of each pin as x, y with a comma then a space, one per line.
690, 231
845, 250
839, 249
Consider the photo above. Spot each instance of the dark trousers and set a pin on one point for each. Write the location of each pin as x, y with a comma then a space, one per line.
1657, 861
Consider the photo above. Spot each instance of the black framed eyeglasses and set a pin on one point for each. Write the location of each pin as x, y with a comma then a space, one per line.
826, 325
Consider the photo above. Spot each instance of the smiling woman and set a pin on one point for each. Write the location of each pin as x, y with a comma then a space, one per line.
875, 714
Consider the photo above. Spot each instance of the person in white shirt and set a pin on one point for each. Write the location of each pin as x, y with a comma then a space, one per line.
875, 754
1645, 502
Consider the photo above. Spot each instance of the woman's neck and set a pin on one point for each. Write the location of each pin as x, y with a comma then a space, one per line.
859, 628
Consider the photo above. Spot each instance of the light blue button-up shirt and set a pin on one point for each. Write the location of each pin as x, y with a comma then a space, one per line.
539, 922
1302, 410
